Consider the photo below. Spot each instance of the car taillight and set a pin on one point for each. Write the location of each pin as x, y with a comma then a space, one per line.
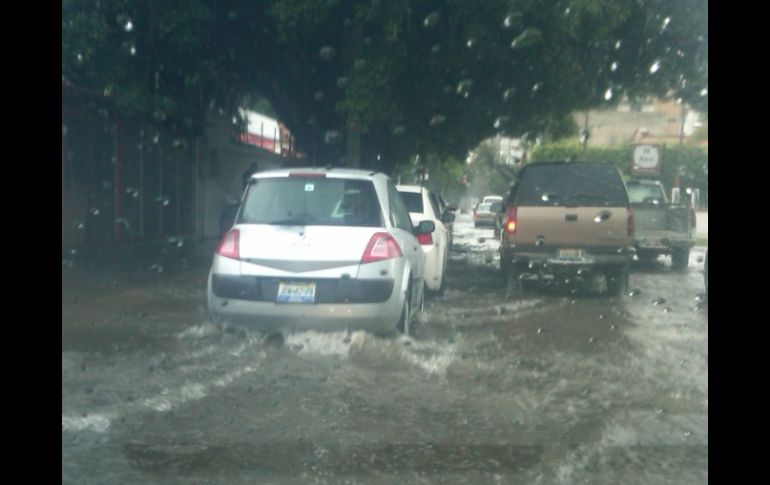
381, 246
510, 222
228, 247
425, 239
692, 218
631, 222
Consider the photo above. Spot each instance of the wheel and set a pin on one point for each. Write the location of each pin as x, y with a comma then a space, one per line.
680, 258
617, 281
404, 324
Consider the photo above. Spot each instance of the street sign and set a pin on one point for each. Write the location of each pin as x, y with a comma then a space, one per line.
646, 160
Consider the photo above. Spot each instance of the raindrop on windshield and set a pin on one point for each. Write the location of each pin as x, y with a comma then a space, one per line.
704, 91
618, 44
501, 120
470, 43
528, 37
332, 136
508, 94
326, 53
437, 120
80, 58
431, 20
536, 87
95, 211
608, 94
634, 292
666, 22
359, 64
436, 48
133, 50
512, 20
129, 26
319, 95
614, 66
659, 301
399, 130
342, 82
464, 86
654, 67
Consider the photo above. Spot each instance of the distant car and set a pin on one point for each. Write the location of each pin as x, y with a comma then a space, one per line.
492, 198
423, 206
568, 219
484, 214
319, 249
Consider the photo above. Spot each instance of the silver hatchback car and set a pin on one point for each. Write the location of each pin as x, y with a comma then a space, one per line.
321, 249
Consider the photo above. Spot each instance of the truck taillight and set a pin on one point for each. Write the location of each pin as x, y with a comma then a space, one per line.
425, 239
381, 246
510, 221
229, 246
631, 222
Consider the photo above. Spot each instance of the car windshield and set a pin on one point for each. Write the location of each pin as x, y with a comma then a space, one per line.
311, 201
571, 184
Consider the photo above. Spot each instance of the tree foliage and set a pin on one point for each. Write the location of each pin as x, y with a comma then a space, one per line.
426, 76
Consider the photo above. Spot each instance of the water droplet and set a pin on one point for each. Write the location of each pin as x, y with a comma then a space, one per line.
536, 87
95, 211
177, 142
612, 327
618, 44
470, 43
530, 36
501, 121
545, 197
601, 317
654, 67
512, 20
667, 309
158, 269
464, 86
608, 94
634, 292
359, 64
508, 94
704, 91
437, 120
326, 53
431, 20
332, 137
436, 49
129, 26
342, 82
687, 434
399, 130
319, 95
659, 301
80, 58
540, 330
133, 50
591, 340
666, 21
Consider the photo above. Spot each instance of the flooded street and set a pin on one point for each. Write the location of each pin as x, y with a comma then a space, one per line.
554, 386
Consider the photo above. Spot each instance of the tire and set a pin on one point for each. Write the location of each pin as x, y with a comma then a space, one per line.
617, 281
405, 323
680, 258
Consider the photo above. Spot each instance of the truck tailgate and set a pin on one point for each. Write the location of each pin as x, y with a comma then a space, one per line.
572, 227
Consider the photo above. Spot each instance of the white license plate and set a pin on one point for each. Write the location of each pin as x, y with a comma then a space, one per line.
571, 255
296, 293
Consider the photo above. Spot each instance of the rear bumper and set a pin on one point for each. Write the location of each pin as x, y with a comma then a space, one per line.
548, 260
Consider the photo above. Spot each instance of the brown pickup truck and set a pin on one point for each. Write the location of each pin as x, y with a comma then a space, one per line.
571, 220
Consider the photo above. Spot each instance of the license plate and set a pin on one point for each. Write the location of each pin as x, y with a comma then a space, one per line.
653, 243
296, 293
571, 255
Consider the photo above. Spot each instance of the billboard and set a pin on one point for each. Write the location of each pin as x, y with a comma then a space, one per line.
646, 160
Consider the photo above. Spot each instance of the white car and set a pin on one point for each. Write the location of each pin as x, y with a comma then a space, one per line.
321, 249
423, 207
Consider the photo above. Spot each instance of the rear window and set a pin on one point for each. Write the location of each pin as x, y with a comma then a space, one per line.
485, 207
413, 201
571, 184
311, 201
642, 193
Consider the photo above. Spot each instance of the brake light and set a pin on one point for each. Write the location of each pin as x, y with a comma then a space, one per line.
228, 247
510, 222
693, 219
381, 246
425, 239
631, 222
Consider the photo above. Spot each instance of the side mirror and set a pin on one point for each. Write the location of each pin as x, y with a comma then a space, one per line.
425, 227
447, 217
